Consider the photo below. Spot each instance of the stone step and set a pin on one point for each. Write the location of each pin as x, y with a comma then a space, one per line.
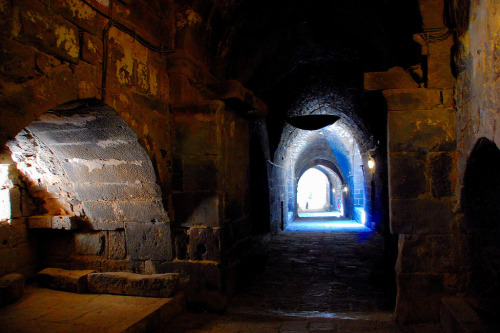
124, 283
457, 316
62, 279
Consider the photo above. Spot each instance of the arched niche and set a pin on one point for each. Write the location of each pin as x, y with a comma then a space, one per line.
481, 207
88, 173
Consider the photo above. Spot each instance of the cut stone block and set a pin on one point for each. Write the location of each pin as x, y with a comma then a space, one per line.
394, 78
148, 241
419, 296
40, 222
123, 283
61, 222
64, 222
62, 279
11, 288
412, 99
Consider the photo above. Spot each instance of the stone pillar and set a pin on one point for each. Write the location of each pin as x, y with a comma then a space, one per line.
422, 173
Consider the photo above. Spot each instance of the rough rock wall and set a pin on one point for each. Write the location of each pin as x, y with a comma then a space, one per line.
477, 94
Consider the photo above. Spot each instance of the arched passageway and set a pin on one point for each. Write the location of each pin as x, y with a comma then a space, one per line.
89, 191
316, 193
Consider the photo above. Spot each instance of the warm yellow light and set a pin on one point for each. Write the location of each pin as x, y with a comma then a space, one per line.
371, 163
345, 189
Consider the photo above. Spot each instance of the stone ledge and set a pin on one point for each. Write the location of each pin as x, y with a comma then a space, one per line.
124, 283
59, 222
11, 288
394, 78
62, 279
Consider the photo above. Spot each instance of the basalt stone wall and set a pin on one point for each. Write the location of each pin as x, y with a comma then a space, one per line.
477, 94
154, 64
57, 52
422, 160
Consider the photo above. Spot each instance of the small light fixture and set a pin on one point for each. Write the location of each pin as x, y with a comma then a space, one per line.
345, 188
371, 163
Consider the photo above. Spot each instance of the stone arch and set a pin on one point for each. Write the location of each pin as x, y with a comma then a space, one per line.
330, 169
322, 162
91, 175
481, 207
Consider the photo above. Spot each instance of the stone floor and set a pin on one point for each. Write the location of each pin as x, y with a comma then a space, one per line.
47, 310
319, 273
313, 282
231, 323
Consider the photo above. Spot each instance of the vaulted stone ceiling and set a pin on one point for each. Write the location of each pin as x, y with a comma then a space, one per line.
309, 56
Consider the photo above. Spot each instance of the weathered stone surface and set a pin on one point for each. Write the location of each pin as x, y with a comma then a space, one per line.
427, 253
419, 297
62, 279
126, 211
432, 13
412, 99
61, 37
205, 243
439, 71
17, 61
11, 288
64, 222
90, 243
117, 191
458, 316
194, 208
116, 245
442, 174
208, 274
408, 175
201, 282
109, 173
88, 80
199, 173
92, 49
424, 130
81, 15
196, 137
148, 241
122, 283
421, 216
394, 78
13, 234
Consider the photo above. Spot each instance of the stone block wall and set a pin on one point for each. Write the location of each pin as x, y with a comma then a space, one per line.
18, 249
422, 156
477, 95
189, 123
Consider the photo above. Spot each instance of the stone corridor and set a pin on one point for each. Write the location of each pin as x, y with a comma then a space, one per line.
312, 282
318, 273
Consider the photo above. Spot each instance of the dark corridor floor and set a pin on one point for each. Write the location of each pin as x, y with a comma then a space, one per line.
318, 273
320, 282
